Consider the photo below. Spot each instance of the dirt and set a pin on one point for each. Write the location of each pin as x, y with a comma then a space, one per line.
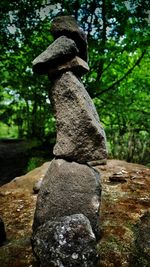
124, 216
13, 159
124, 203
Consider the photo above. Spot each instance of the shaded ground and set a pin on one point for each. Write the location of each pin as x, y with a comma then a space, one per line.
124, 220
17, 204
13, 159
16, 155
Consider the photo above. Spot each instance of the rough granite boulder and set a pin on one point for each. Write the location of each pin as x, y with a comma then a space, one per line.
80, 136
67, 25
68, 242
60, 51
68, 188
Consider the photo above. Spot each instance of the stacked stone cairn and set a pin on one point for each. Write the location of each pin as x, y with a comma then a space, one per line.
65, 227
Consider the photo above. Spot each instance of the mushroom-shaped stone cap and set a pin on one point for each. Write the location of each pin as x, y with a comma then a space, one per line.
77, 65
60, 51
67, 25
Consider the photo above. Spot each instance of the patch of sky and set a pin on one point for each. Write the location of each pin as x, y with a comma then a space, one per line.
28, 69
52, 10
49, 10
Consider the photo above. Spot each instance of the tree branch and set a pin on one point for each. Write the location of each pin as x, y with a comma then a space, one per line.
140, 110
111, 87
103, 41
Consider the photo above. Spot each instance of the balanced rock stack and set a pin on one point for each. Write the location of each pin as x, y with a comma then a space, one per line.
65, 227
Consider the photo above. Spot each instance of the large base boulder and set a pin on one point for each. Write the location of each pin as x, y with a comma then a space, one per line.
68, 188
68, 242
80, 136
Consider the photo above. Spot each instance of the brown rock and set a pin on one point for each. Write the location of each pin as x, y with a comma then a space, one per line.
80, 137
60, 51
97, 162
119, 177
78, 66
67, 25
68, 188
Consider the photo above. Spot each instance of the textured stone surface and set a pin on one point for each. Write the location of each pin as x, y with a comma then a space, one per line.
68, 188
37, 185
68, 242
67, 25
125, 231
80, 137
2, 232
60, 51
122, 208
78, 66
98, 162
141, 253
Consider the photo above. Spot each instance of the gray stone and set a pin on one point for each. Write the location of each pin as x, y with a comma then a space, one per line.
78, 66
60, 51
2, 232
80, 137
37, 185
97, 162
67, 25
69, 242
68, 188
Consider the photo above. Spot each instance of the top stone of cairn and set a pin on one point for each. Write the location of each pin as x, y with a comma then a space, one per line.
67, 25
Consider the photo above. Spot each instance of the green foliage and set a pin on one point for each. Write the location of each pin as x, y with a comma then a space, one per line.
5, 130
34, 162
118, 81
